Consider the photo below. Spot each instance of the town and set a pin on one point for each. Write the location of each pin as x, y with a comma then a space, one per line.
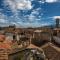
42, 43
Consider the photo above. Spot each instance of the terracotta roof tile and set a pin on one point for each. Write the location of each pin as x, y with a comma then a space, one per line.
2, 38
32, 46
5, 46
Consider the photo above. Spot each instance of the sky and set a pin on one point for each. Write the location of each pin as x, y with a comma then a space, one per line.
29, 13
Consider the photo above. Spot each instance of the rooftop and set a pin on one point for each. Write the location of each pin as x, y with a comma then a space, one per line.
51, 51
38, 30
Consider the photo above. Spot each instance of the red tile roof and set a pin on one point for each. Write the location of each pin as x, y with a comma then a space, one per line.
5, 46
2, 38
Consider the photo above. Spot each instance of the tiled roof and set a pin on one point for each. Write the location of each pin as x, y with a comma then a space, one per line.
2, 38
51, 53
32, 46
5, 46
57, 57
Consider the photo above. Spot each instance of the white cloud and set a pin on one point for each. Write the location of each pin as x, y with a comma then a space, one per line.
10, 4
55, 17
42, 1
24, 4
3, 18
18, 4
50, 1
15, 6
36, 11
2, 21
34, 15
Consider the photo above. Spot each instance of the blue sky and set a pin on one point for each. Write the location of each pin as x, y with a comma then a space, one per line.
29, 13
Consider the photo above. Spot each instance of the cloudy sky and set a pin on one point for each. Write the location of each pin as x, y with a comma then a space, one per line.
29, 13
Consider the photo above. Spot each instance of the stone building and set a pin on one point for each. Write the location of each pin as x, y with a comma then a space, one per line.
41, 37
